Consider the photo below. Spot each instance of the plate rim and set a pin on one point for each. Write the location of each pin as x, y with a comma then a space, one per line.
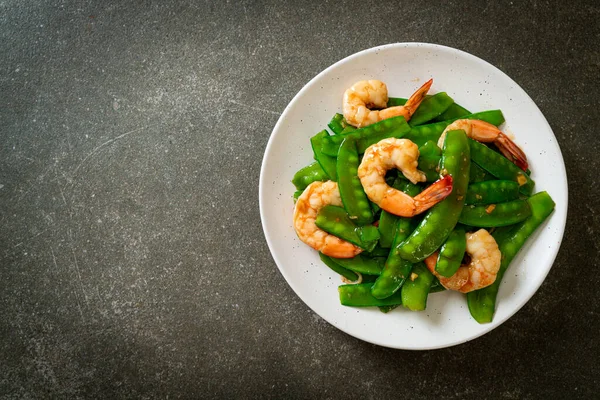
262, 193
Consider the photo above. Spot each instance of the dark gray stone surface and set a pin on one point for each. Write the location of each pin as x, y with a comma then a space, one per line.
133, 262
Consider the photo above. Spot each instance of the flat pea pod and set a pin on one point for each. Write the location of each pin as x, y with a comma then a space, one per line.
493, 215
499, 166
337, 123
423, 133
430, 108
451, 253
388, 222
436, 286
309, 174
362, 263
346, 273
416, 289
378, 251
336, 221
478, 174
353, 196
452, 112
441, 219
492, 192
396, 101
328, 163
429, 160
297, 194
391, 127
482, 302
360, 296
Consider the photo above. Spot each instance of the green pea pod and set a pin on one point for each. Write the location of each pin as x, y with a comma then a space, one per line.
453, 112
353, 196
360, 296
396, 101
415, 290
499, 166
388, 222
378, 252
493, 215
363, 264
436, 286
387, 309
429, 160
337, 124
309, 174
478, 174
423, 133
346, 273
326, 162
492, 192
441, 218
391, 127
482, 302
431, 108
451, 253
336, 221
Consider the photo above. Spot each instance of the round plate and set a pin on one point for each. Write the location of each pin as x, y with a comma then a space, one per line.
476, 85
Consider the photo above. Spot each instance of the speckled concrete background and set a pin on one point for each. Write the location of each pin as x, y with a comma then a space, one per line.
133, 262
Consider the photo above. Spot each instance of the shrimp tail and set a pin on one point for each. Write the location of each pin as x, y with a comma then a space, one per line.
435, 193
417, 97
511, 151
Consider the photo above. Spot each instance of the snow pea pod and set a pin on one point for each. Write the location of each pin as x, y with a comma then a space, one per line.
328, 163
451, 253
346, 273
337, 124
360, 296
491, 192
499, 166
430, 108
441, 219
391, 127
396, 101
353, 196
493, 215
429, 160
482, 302
436, 286
388, 223
336, 221
478, 174
415, 290
453, 112
309, 174
362, 263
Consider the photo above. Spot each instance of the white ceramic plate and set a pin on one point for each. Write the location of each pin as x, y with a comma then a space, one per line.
473, 83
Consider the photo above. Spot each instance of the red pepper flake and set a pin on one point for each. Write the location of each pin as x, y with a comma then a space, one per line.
490, 208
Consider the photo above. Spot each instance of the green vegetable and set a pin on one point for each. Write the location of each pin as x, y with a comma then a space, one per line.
491, 192
415, 290
362, 263
441, 219
478, 174
431, 108
453, 112
336, 221
396, 101
429, 160
353, 196
388, 222
360, 296
451, 253
346, 273
436, 286
391, 127
326, 162
482, 302
297, 194
337, 124
309, 174
501, 214
499, 166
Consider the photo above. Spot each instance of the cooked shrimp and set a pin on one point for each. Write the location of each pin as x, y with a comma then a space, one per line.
403, 155
486, 133
480, 272
373, 93
316, 196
